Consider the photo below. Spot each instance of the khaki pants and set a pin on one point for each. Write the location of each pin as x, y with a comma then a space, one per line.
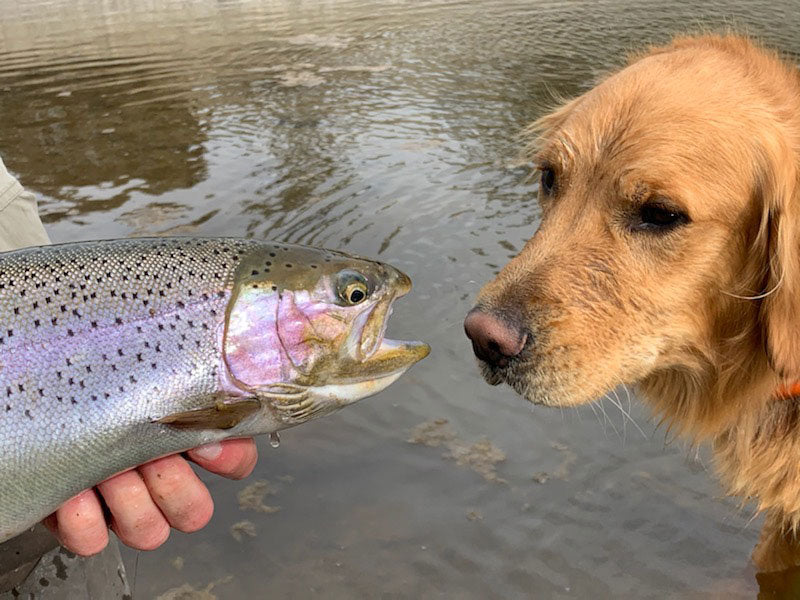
32, 565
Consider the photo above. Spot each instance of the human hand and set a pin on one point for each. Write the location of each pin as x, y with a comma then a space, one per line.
144, 503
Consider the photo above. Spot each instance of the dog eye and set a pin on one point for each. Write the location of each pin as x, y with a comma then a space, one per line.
658, 217
548, 180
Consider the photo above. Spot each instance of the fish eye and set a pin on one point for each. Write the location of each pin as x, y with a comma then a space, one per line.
352, 287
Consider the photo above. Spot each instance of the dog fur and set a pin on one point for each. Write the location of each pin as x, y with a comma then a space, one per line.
703, 316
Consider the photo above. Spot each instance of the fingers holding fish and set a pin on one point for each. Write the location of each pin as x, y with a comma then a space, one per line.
79, 524
135, 517
145, 503
177, 491
234, 459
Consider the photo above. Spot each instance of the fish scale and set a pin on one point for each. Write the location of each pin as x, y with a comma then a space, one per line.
102, 340
129, 303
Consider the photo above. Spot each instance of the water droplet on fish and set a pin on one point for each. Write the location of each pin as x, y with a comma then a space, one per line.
274, 439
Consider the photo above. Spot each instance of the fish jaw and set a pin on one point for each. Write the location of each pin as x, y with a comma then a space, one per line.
295, 405
368, 329
391, 359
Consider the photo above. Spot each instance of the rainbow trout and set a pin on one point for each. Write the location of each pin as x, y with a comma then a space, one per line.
117, 352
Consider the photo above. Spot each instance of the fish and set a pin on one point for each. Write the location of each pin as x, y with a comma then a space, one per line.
117, 352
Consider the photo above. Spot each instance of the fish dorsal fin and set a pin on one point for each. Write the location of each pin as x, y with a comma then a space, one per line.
220, 415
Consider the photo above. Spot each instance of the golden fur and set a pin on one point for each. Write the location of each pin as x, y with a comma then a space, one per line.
705, 316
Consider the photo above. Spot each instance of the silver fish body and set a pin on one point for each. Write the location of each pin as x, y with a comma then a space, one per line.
117, 352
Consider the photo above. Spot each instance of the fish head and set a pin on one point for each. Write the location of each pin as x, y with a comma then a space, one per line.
305, 328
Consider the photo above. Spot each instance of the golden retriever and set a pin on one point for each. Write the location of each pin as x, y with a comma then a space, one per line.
669, 256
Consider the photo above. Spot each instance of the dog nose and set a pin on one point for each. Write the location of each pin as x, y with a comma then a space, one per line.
493, 340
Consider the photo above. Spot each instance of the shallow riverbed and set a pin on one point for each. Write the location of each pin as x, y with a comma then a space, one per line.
386, 128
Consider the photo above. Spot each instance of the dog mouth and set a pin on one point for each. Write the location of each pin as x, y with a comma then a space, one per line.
526, 374
512, 371
492, 375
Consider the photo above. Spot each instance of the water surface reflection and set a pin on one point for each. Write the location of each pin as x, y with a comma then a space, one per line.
389, 129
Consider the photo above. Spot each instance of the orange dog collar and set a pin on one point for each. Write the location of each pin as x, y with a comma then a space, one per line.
788, 390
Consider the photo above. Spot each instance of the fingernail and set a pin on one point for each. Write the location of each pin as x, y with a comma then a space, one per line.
209, 451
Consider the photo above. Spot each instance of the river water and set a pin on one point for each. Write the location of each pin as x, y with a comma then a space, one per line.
386, 128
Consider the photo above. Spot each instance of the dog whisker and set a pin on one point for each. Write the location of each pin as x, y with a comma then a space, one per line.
610, 422
627, 414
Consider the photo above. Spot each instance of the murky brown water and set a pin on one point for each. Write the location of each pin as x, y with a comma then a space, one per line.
385, 128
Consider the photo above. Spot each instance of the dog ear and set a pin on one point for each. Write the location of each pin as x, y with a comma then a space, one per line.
534, 135
780, 308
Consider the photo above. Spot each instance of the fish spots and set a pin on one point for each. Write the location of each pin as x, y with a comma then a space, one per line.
98, 323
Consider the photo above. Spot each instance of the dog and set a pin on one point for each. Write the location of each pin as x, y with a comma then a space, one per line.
668, 256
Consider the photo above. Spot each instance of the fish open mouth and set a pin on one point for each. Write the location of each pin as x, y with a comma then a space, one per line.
379, 358
376, 362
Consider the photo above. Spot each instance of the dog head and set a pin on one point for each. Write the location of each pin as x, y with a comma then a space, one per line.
668, 247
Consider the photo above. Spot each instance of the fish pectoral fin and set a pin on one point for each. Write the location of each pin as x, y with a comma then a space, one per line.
301, 409
284, 390
222, 415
